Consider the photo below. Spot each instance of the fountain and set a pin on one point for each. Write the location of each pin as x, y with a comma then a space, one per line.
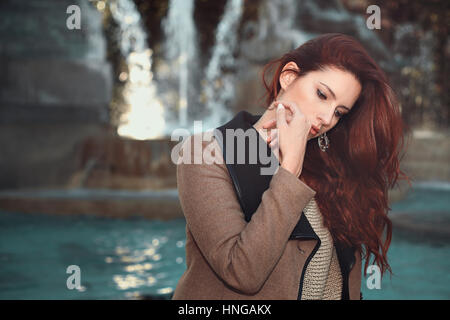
219, 84
144, 116
180, 53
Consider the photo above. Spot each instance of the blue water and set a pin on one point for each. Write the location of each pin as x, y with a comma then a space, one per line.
118, 258
420, 263
137, 258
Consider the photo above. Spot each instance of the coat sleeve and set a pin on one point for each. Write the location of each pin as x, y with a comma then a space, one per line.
242, 254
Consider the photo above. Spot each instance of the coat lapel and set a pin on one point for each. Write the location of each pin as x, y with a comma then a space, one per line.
247, 179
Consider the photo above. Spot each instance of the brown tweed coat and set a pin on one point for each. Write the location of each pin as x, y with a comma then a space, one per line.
228, 258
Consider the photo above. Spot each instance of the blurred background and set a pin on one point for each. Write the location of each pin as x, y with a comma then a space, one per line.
86, 117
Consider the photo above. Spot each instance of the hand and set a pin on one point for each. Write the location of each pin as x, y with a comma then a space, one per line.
272, 137
288, 141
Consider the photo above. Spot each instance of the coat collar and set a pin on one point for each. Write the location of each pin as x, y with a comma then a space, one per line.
250, 185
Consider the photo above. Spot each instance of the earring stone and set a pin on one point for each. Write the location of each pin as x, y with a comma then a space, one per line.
324, 142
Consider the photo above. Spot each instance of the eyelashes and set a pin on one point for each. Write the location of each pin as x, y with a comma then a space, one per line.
322, 96
338, 114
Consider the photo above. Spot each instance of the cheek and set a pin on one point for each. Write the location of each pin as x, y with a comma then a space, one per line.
310, 107
334, 122
304, 101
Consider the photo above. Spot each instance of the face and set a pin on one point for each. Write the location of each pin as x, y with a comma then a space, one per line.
323, 96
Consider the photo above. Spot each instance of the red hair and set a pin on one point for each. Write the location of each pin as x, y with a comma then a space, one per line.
353, 177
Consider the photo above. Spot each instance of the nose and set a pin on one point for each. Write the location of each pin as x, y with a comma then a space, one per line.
325, 117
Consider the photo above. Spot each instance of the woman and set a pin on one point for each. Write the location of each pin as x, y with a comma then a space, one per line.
336, 131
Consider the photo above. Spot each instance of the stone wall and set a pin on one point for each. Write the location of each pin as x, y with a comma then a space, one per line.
55, 89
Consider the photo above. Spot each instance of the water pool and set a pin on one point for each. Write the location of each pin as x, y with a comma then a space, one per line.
118, 258
420, 260
137, 258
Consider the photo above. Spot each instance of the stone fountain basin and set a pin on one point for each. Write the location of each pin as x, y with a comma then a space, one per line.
151, 204
422, 225
165, 205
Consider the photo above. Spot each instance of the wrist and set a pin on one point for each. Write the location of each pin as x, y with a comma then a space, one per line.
294, 169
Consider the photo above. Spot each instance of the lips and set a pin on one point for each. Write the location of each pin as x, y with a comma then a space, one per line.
314, 130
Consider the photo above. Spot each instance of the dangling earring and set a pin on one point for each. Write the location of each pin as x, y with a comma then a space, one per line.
324, 142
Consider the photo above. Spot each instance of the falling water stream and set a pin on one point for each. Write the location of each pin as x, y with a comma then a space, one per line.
181, 49
147, 100
219, 87
144, 118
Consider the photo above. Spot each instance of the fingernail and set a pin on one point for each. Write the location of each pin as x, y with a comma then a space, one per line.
280, 106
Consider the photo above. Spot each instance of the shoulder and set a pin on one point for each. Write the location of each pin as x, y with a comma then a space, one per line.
200, 152
199, 148
201, 173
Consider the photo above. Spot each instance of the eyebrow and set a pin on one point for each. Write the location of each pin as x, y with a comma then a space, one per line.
332, 93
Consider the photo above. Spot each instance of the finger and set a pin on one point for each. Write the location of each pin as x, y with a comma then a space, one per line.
281, 116
276, 153
270, 123
274, 134
289, 106
274, 141
274, 144
289, 116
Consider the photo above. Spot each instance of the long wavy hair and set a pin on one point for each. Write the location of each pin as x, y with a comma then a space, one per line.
353, 177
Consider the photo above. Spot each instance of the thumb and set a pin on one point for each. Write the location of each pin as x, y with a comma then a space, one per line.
281, 116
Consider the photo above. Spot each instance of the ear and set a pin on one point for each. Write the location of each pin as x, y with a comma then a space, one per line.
287, 77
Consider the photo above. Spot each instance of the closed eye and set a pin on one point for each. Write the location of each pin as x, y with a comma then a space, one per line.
339, 114
321, 95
